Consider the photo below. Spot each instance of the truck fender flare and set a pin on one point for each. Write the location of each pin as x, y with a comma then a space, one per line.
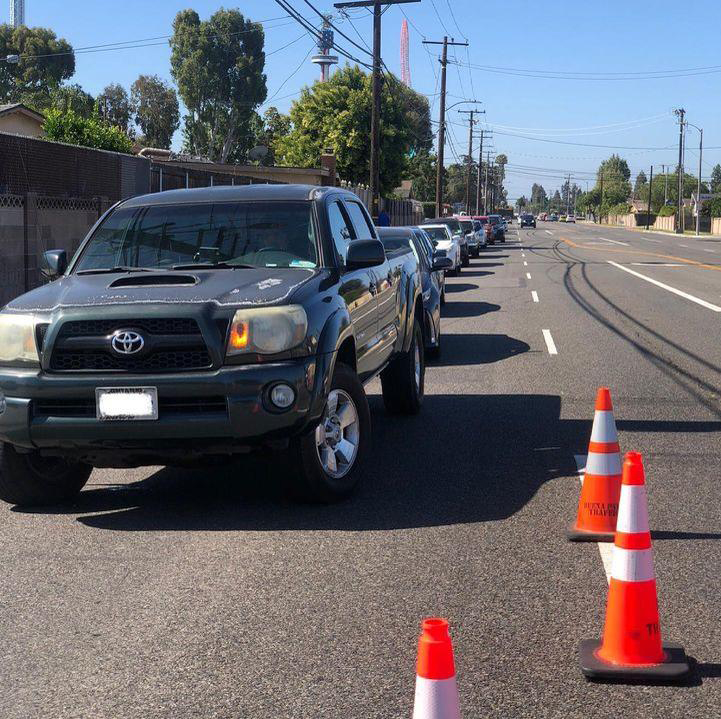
337, 329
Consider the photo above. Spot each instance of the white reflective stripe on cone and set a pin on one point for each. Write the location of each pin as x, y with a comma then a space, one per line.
436, 699
604, 427
632, 565
603, 463
632, 509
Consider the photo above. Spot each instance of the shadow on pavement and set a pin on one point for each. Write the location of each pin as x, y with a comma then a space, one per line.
664, 534
459, 287
473, 349
468, 309
477, 273
451, 480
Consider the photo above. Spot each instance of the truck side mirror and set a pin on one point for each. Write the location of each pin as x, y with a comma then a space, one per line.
365, 253
54, 263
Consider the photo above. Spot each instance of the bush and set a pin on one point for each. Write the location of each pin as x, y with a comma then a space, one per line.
667, 211
622, 208
89, 132
714, 207
429, 210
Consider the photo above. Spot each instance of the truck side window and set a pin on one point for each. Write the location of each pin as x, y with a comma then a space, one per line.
360, 220
339, 229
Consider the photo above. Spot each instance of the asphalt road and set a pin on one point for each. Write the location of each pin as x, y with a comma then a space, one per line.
167, 593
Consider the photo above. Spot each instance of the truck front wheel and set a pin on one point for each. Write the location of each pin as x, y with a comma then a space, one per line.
32, 480
330, 456
404, 378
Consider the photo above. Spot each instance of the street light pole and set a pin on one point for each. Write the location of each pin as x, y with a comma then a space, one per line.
442, 120
679, 200
698, 181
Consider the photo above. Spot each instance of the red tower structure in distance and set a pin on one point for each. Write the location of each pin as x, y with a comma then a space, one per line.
405, 65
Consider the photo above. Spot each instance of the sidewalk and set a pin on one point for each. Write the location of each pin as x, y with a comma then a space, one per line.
687, 235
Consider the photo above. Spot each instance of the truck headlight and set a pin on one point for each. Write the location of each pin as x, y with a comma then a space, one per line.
17, 339
267, 330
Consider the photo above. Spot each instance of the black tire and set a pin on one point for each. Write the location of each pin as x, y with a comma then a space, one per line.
402, 394
314, 482
466, 260
443, 295
30, 480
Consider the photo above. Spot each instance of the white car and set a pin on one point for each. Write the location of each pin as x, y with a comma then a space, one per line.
571, 218
444, 240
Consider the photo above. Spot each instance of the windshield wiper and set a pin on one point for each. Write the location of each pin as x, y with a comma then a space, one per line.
108, 270
211, 266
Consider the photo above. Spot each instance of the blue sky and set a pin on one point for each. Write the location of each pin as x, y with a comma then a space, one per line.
608, 37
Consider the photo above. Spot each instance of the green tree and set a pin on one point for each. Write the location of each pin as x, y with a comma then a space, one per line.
616, 185
114, 106
501, 162
640, 184
670, 181
218, 67
89, 132
716, 178
155, 106
422, 172
337, 114
73, 97
538, 198
32, 80
274, 126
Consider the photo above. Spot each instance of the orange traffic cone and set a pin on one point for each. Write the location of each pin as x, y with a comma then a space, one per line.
598, 505
631, 647
436, 691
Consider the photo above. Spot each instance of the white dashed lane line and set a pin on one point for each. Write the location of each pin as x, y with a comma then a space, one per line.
548, 232
534, 294
525, 264
528, 275
615, 242
605, 549
707, 250
550, 344
680, 245
668, 288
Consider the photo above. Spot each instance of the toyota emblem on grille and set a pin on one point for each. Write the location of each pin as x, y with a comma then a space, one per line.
127, 342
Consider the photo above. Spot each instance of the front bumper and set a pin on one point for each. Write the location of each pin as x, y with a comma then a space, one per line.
240, 416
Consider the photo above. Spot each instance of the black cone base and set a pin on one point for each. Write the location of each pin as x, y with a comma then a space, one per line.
581, 535
675, 668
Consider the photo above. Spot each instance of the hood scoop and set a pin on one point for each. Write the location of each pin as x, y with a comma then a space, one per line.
160, 280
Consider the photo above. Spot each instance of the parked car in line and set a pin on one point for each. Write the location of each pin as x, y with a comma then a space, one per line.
439, 275
480, 233
444, 241
397, 241
499, 232
471, 238
454, 226
199, 324
571, 218
527, 220
554, 217
562, 218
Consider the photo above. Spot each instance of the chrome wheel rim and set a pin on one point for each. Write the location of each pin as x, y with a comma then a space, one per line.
337, 436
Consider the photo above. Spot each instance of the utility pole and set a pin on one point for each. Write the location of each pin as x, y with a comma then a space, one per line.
679, 200
600, 203
650, 188
698, 182
442, 119
471, 122
480, 165
568, 196
665, 184
485, 186
376, 105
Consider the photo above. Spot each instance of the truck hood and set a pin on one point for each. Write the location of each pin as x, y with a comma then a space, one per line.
242, 287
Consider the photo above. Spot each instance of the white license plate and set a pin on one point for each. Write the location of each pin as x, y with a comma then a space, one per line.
126, 403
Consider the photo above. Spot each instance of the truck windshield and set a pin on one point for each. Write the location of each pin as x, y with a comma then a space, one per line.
259, 234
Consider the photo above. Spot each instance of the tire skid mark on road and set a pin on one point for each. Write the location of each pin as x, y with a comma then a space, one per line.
605, 549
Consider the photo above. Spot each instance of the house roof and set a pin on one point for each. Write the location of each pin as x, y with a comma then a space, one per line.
24, 109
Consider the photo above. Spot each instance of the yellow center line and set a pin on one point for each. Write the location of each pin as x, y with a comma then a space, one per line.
704, 266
